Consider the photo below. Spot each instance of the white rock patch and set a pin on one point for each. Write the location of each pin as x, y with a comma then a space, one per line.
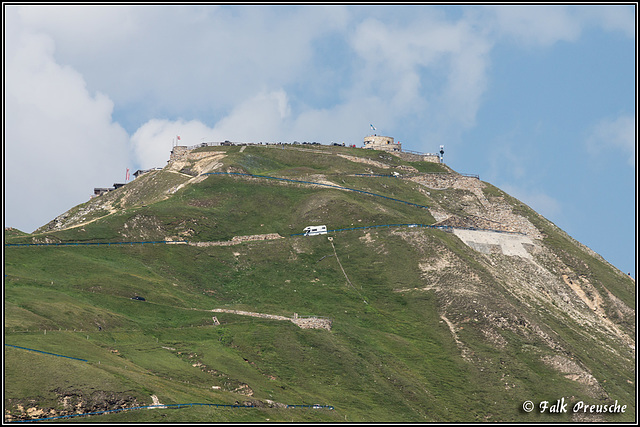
485, 241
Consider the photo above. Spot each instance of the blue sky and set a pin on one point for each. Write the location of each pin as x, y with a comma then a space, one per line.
539, 100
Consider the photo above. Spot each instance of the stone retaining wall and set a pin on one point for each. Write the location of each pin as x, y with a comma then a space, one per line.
449, 180
236, 240
301, 322
251, 314
411, 157
312, 323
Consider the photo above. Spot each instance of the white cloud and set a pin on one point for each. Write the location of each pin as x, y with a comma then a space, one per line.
433, 71
76, 26
617, 17
60, 141
168, 61
264, 117
153, 141
348, 122
394, 56
618, 134
544, 25
536, 25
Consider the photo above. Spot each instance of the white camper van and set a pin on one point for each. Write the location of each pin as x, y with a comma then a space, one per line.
314, 230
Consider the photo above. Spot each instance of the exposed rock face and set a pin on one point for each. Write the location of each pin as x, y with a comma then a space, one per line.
472, 207
71, 402
516, 289
185, 167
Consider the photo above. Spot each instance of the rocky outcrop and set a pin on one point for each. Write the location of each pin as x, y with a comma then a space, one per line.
70, 402
471, 205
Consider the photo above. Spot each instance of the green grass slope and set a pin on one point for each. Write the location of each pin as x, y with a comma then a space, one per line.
424, 328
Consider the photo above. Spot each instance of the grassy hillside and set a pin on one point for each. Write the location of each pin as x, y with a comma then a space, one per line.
424, 328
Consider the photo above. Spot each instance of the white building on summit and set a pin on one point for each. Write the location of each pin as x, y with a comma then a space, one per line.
386, 143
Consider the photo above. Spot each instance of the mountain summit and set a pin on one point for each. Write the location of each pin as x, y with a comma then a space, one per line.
194, 289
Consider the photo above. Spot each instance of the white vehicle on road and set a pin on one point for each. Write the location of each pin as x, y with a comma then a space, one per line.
314, 230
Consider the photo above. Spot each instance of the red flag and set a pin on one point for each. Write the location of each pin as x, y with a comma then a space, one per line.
178, 137
127, 177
